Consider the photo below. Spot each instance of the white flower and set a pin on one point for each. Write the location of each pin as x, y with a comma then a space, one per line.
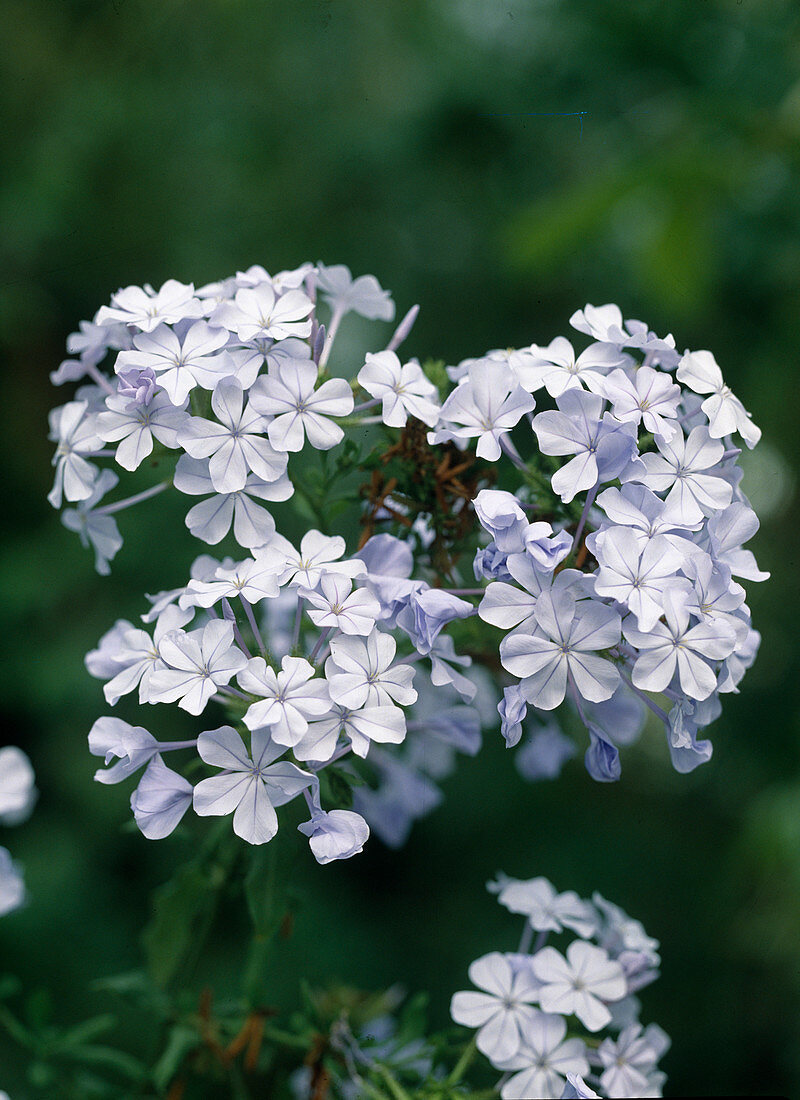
136, 425
558, 369
567, 634
251, 786
199, 663
136, 655
319, 554
726, 414
682, 467
385, 725
544, 1059
288, 698
287, 394
486, 405
210, 520
649, 397
637, 574
179, 364
12, 885
18, 793
503, 1013
629, 1060
338, 834
337, 605
76, 432
160, 801
601, 323
360, 673
546, 910
602, 446
94, 528
362, 295
132, 746
256, 314
403, 389
580, 983
674, 643
254, 579
147, 309
236, 444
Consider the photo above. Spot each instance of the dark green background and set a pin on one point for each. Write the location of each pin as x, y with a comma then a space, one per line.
437, 145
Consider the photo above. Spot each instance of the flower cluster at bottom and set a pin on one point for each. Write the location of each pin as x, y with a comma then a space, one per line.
540, 1009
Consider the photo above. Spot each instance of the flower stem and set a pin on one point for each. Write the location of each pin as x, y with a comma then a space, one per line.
320, 643
248, 610
584, 516
463, 1062
137, 498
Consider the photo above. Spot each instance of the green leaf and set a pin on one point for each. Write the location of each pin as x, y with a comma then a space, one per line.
15, 1029
9, 986
85, 1032
40, 1075
179, 907
38, 1009
182, 1041
109, 1058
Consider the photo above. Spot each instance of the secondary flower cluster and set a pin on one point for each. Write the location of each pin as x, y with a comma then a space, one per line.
541, 1010
18, 796
611, 574
639, 598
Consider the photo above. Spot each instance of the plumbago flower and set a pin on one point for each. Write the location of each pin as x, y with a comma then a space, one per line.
593, 493
530, 999
18, 796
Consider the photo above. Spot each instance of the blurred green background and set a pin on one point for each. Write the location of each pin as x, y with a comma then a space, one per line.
437, 144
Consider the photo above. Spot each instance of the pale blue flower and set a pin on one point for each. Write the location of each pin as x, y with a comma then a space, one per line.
568, 634
602, 447
345, 294
12, 884
726, 414
503, 1011
602, 756
544, 753
485, 406
688, 468
210, 520
427, 613
338, 834
199, 663
580, 984
297, 410
544, 1058
147, 308
234, 443
181, 363
251, 784
160, 801
18, 792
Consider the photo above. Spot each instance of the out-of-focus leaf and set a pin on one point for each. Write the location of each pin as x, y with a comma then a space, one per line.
178, 908
181, 1042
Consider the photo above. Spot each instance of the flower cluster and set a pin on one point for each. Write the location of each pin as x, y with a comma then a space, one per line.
18, 796
541, 1011
640, 595
611, 574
